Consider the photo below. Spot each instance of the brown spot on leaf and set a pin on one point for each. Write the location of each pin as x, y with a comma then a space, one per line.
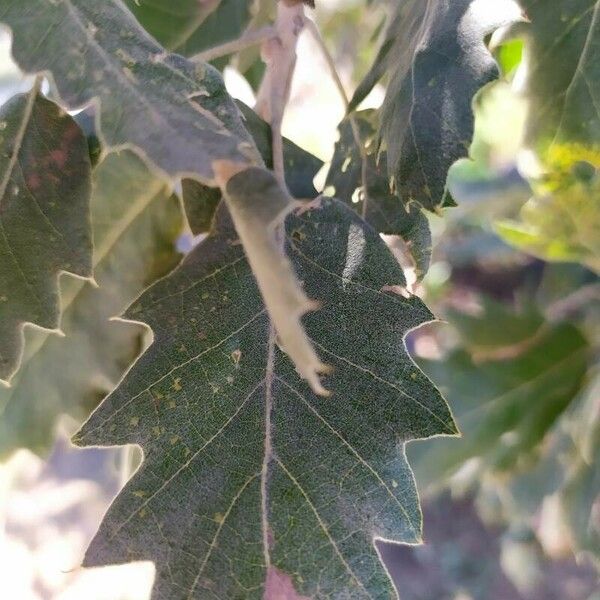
279, 586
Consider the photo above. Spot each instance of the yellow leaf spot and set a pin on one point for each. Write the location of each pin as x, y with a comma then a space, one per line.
140, 493
176, 384
236, 356
219, 518
174, 440
134, 421
156, 431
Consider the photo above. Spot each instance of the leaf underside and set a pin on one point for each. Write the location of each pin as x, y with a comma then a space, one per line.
435, 54
176, 112
252, 484
136, 222
44, 217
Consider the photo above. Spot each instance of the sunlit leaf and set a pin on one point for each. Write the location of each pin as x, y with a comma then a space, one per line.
562, 76
251, 483
562, 220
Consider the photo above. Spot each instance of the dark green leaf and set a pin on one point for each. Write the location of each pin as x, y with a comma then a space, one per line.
438, 61
172, 23
251, 483
44, 216
136, 222
378, 205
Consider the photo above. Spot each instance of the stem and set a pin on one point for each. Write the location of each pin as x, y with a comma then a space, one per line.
573, 302
279, 54
314, 30
249, 39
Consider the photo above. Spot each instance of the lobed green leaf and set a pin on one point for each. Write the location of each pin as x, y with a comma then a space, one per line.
252, 483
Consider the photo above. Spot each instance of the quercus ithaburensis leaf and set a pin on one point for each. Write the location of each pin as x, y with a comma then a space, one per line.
175, 112
44, 216
251, 483
435, 53
136, 221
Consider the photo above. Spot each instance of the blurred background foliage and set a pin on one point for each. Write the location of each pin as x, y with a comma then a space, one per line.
512, 509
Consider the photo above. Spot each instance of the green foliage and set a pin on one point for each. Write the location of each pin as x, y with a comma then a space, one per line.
259, 479
506, 399
136, 222
562, 221
44, 211
248, 475
563, 72
562, 86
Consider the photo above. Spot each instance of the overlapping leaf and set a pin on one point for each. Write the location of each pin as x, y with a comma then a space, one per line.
365, 186
438, 61
136, 222
44, 216
177, 112
253, 486
300, 169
